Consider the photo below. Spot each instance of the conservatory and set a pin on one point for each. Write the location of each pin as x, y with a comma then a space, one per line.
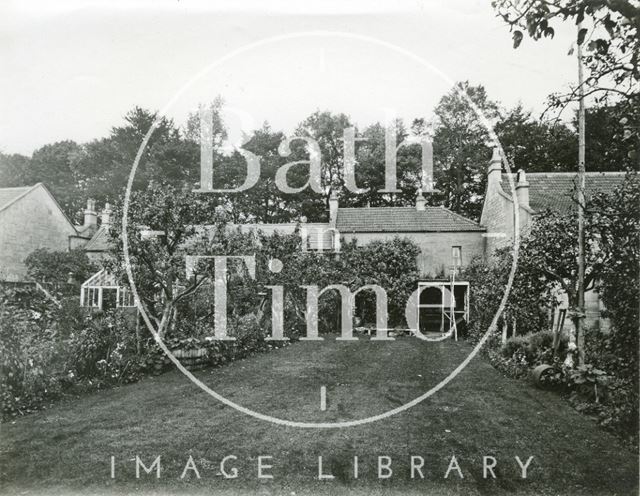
102, 291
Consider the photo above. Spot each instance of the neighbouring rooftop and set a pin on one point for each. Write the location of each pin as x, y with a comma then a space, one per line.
556, 190
402, 219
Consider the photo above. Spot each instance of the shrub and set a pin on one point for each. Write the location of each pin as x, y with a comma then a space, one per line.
515, 344
520, 354
488, 280
45, 350
103, 351
250, 339
619, 410
44, 265
31, 356
536, 347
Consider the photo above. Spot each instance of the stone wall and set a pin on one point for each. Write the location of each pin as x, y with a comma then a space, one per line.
34, 221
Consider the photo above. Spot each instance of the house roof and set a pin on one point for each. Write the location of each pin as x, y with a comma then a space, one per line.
8, 196
555, 190
99, 241
402, 219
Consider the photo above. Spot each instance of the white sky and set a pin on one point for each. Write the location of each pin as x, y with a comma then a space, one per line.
71, 70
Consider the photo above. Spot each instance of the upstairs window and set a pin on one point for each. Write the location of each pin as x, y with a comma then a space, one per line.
456, 256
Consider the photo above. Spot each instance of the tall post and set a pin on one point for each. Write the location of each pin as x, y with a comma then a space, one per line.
581, 203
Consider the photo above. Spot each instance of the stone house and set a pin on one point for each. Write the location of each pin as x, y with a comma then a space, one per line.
535, 193
31, 218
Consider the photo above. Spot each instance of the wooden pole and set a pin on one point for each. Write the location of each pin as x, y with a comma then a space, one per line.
581, 186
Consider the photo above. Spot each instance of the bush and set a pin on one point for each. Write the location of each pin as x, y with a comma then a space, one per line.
536, 348
31, 356
488, 280
55, 267
618, 410
520, 354
45, 350
103, 351
250, 339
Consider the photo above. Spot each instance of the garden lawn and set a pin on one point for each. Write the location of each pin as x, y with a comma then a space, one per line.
481, 413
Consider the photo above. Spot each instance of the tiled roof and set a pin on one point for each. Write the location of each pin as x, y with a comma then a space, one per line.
402, 219
9, 195
555, 190
99, 241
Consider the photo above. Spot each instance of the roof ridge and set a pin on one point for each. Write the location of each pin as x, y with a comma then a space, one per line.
570, 174
18, 187
371, 208
462, 217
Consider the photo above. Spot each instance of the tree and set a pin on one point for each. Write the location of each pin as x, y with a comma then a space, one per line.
618, 231
105, 165
327, 130
610, 142
12, 169
523, 312
370, 167
460, 148
609, 32
535, 145
548, 253
264, 202
158, 261
54, 165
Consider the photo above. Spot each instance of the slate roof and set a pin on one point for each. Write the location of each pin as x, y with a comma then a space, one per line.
9, 195
555, 190
99, 241
402, 219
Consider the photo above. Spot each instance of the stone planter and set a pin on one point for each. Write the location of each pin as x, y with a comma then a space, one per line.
193, 359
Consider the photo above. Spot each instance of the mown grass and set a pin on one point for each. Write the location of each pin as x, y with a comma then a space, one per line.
481, 413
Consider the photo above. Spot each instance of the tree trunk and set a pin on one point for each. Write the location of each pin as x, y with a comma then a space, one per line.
578, 318
138, 337
165, 321
572, 347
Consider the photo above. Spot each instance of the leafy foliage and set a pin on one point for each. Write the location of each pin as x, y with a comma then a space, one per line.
488, 280
59, 267
460, 148
609, 34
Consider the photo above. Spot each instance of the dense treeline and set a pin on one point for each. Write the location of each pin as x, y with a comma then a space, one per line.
100, 169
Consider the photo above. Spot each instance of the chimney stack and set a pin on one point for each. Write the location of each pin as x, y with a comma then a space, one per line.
522, 189
494, 174
333, 207
106, 216
420, 202
90, 215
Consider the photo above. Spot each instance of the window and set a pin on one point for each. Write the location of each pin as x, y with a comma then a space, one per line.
456, 255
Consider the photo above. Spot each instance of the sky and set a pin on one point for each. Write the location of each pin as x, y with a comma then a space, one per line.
72, 70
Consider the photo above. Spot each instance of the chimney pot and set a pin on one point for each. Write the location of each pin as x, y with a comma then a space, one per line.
420, 202
494, 173
90, 215
106, 215
333, 207
522, 189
